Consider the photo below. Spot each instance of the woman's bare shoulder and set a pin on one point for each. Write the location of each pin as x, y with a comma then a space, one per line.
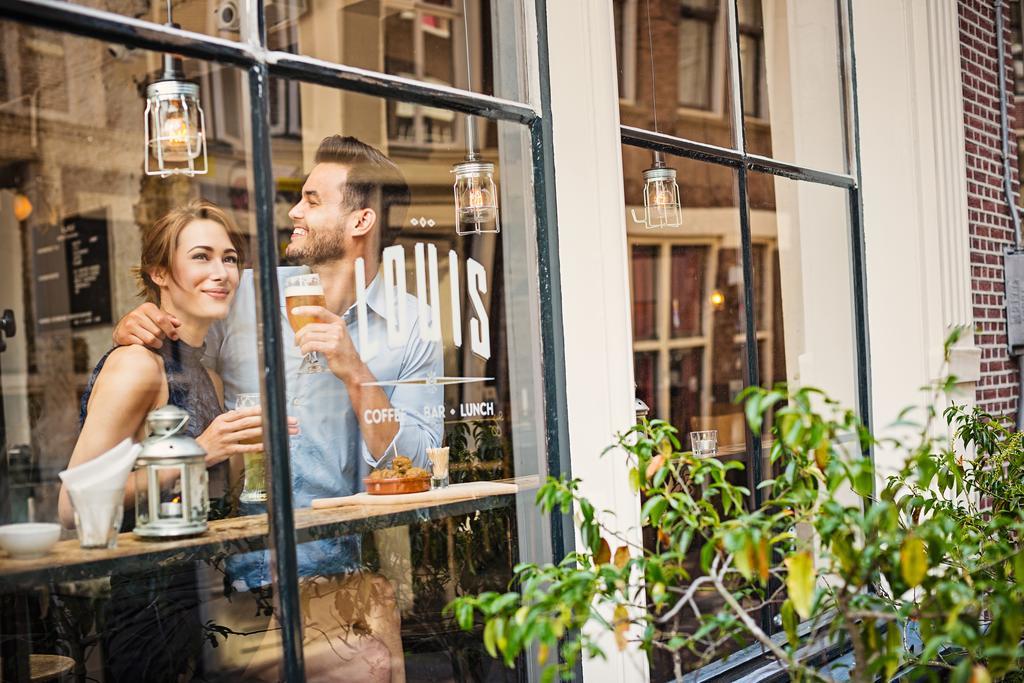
134, 365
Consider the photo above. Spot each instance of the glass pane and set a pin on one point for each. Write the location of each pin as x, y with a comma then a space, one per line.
792, 81
694, 366
686, 370
689, 66
805, 273
696, 39
645, 369
86, 236
645, 291
687, 291
430, 343
426, 41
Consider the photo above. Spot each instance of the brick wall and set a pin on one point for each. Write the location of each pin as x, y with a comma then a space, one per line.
991, 230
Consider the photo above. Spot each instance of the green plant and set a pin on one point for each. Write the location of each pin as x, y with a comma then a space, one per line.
938, 547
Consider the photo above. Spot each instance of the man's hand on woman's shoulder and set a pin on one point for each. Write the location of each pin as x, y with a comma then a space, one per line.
146, 325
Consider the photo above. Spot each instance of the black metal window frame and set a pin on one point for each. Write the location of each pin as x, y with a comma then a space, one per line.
744, 163
260, 64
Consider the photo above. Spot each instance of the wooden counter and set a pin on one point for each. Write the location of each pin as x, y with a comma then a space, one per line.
68, 562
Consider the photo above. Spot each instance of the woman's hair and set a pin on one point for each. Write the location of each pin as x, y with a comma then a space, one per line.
160, 239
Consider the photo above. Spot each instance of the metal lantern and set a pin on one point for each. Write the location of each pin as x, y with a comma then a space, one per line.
476, 198
172, 496
662, 208
175, 127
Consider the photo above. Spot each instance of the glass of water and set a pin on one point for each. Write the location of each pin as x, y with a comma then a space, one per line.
705, 443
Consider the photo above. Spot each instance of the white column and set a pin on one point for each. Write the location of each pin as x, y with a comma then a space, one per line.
593, 270
915, 215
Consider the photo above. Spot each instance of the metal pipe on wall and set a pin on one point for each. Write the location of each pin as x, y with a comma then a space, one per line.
1013, 264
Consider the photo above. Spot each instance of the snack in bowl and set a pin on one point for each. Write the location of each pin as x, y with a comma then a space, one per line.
401, 477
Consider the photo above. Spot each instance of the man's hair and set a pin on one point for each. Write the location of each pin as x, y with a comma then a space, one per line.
374, 181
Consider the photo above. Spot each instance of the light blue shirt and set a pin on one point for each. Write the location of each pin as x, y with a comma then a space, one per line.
329, 456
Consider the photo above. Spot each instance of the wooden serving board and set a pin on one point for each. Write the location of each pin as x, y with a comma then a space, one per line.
476, 489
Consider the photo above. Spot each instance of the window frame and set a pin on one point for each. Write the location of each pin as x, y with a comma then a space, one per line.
744, 162
252, 55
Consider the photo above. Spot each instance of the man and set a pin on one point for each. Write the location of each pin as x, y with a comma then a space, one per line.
347, 421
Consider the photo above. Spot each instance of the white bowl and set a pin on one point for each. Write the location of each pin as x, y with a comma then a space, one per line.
28, 540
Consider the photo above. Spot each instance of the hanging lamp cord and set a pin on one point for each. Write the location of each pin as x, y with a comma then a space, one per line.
470, 129
169, 70
659, 162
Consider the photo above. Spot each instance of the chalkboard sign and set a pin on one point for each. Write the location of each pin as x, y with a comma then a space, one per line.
72, 273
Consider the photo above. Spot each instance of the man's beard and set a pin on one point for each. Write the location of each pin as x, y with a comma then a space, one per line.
317, 248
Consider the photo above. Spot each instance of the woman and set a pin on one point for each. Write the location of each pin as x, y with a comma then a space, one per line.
190, 269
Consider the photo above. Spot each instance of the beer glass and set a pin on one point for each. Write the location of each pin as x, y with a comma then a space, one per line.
304, 290
254, 489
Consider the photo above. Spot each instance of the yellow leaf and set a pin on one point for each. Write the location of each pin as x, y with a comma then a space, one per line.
913, 561
761, 560
800, 579
621, 556
821, 454
665, 448
621, 621
542, 653
744, 559
603, 554
979, 674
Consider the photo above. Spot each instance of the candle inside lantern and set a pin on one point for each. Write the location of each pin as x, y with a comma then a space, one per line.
171, 509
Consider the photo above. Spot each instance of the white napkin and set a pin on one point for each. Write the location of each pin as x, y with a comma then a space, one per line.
105, 472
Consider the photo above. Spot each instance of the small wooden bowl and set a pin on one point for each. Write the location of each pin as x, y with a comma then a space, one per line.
396, 485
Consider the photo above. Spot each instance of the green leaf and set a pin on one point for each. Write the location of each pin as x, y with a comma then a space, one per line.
464, 614
789, 623
489, 637
753, 411
653, 509
913, 561
800, 581
1018, 568
634, 479
893, 646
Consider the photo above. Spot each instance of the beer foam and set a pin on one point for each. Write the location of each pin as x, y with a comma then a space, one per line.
303, 290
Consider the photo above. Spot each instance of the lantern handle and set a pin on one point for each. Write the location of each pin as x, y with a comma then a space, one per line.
636, 219
174, 431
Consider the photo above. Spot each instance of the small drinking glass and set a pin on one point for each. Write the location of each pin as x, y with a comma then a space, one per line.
438, 466
254, 490
98, 516
705, 443
305, 290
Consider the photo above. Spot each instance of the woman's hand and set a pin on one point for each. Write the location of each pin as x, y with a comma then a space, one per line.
234, 432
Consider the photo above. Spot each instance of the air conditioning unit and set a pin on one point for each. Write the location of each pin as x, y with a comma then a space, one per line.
276, 13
